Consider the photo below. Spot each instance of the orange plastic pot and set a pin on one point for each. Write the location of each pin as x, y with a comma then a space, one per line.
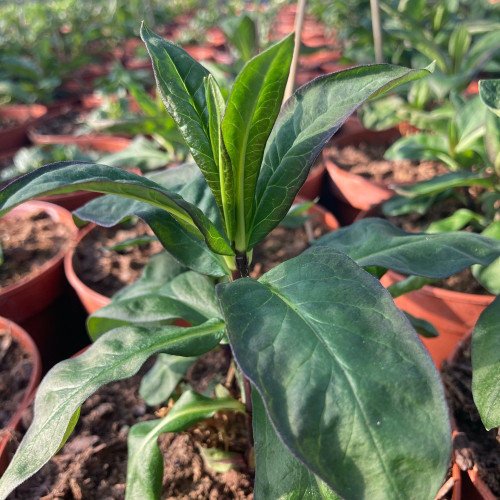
33, 293
24, 116
453, 314
29, 346
314, 182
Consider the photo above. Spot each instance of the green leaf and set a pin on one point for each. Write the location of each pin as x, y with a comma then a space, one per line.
216, 108
159, 383
131, 242
489, 276
458, 220
66, 177
278, 474
458, 45
306, 122
442, 182
408, 285
241, 32
399, 205
366, 432
422, 327
418, 147
117, 355
145, 464
485, 365
190, 296
185, 180
179, 79
251, 111
489, 92
376, 242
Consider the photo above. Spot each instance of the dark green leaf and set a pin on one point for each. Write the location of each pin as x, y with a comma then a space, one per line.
241, 32
489, 276
367, 432
408, 285
306, 122
145, 464
376, 242
278, 474
251, 111
132, 242
486, 364
66, 177
422, 327
159, 383
489, 91
399, 204
179, 79
117, 355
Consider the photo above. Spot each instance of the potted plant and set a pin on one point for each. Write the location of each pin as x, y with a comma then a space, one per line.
310, 336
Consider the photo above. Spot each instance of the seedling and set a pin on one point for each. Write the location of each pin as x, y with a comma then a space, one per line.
343, 396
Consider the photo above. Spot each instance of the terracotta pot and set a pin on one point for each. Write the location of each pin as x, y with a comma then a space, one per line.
471, 486
314, 182
328, 218
29, 346
30, 295
453, 314
24, 116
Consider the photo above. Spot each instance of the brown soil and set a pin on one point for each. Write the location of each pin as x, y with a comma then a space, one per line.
65, 124
28, 244
474, 446
6, 123
367, 160
93, 463
283, 244
15, 372
107, 272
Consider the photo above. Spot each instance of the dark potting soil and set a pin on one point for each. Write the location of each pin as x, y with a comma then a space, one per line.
64, 124
283, 244
15, 371
105, 271
6, 123
475, 447
367, 160
93, 463
28, 244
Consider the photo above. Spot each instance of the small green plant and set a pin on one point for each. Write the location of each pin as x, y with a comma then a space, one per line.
343, 397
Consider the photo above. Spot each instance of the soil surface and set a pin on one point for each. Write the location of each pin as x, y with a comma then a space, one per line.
106, 271
93, 463
27, 245
15, 372
64, 124
367, 160
6, 123
475, 447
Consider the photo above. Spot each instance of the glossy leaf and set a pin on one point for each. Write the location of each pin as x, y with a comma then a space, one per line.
251, 111
145, 464
443, 182
489, 91
216, 108
190, 296
185, 180
179, 79
117, 355
66, 177
485, 365
278, 474
161, 380
376, 242
366, 432
306, 122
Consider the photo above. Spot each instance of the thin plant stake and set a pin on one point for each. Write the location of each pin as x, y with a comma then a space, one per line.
377, 30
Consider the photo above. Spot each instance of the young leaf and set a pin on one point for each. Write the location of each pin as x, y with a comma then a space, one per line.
66, 177
330, 401
115, 356
278, 474
306, 122
489, 276
376, 242
159, 383
216, 107
458, 220
422, 327
145, 464
485, 362
251, 111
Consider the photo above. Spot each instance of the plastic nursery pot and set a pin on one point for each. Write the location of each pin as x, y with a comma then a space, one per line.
29, 346
326, 216
453, 314
19, 118
357, 191
314, 182
471, 486
33, 293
